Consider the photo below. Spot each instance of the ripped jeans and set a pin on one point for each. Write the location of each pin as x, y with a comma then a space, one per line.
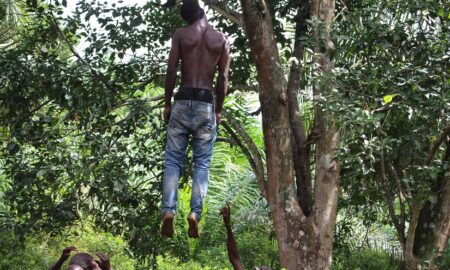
187, 118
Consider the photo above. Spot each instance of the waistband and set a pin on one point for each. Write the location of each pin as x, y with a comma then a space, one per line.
193, 93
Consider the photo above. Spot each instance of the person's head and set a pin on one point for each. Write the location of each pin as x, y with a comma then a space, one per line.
84, 260
74, 267
191, 11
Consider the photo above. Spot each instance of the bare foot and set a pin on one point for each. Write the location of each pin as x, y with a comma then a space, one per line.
167, 225
193, 225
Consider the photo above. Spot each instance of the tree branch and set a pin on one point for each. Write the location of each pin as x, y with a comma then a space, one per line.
300, 152
251, 148
98, 76
226, 140
413, 220
402, 221
438, 143
241, 145
389, 197
221, 8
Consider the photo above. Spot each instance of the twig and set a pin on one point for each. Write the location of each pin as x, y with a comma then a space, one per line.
438, 143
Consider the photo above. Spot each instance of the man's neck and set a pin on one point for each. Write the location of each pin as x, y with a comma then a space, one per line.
202, 23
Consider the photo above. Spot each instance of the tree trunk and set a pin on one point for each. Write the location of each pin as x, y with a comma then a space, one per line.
433, 224
409, 260
304, 242
429, 226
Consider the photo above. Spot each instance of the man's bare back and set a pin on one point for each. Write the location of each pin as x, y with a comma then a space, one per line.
201, 50
201, 47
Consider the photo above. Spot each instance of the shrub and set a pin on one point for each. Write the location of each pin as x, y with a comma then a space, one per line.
41, 251
170, 263
363, 259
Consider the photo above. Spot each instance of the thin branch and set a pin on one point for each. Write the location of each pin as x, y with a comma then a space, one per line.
241, 145
389, 198
253, 150
438, 143
401, 197
221, 8
402, 221
28, 113
226, 140
98, 76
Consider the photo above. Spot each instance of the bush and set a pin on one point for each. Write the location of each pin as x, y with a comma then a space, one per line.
17, 255
257, 249
171, 263
443, 262
363, 259
41, 251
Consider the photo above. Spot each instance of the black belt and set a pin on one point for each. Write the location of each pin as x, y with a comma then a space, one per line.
193, 93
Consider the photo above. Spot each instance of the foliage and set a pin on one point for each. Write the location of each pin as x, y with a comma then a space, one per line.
397, 57
364, 259
258, 248
393, 107
82, 139
42, 250
443, 262
173, 263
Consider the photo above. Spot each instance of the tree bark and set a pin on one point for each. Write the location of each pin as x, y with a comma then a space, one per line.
327, 167
433, 226
409, 260
429, 226
277, 135
304, 242
300, 152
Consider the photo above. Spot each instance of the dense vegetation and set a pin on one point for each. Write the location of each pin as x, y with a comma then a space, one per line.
83, 140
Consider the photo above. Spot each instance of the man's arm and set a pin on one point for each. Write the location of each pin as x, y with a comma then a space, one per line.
64, 256
222, 79
233, 254
171, 75
104, 261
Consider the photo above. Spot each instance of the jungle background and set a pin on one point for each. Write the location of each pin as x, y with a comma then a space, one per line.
82, 136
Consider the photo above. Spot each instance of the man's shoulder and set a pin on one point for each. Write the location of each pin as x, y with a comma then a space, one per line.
179, 32
219, 34
187, 32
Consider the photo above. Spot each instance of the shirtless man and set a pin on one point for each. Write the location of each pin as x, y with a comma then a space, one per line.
202, 50
82, 261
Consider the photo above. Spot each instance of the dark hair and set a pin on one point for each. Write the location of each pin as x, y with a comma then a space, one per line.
82, 259
191, 11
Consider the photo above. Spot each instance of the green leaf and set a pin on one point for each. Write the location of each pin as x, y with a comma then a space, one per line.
388, 98
13, 148
441, 12
41, 173
136, 22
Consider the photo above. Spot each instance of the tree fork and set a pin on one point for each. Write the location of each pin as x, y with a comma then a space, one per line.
304, 242
300, 151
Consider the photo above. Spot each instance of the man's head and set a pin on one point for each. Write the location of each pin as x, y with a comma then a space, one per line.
74, 267
85, 261
191, 11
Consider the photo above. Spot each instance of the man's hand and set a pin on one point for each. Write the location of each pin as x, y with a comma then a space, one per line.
218, 118
66, 252
104, 261
167, 111
226, 214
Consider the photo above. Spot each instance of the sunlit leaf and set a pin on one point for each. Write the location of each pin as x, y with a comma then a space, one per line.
388, 98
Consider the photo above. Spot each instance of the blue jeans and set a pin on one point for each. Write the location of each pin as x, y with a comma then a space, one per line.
187, 118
